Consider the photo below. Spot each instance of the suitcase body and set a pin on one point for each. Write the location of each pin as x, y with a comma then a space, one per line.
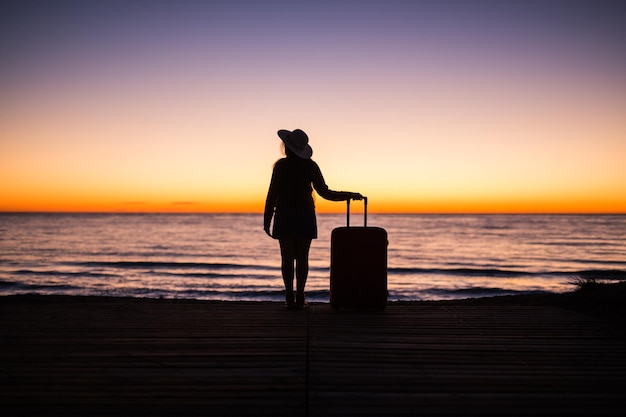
358, 266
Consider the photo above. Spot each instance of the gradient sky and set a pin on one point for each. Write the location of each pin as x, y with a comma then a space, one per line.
424, 106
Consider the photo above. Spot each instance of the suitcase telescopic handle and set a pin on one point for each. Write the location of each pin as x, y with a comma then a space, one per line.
364, 212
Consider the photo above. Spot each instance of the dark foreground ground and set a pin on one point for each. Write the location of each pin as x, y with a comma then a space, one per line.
504, 356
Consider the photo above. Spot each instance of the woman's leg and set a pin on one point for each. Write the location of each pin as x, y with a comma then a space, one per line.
302, 246
288, 256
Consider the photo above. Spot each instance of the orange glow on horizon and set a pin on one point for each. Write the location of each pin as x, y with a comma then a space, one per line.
325, 207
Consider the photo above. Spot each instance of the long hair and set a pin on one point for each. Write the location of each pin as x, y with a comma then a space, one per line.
288, 153
298, 168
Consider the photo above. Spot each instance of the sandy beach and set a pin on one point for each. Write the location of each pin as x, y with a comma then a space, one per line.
523, 355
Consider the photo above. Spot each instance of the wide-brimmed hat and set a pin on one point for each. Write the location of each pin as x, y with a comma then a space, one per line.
297, 141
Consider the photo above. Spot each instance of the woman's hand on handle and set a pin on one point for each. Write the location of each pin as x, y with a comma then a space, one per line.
355, 196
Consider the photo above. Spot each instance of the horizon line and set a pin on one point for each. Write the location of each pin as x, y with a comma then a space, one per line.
588, 213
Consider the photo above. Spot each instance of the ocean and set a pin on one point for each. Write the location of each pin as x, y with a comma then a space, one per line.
229, 257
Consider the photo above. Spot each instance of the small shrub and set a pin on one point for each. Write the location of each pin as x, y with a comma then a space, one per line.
585, 282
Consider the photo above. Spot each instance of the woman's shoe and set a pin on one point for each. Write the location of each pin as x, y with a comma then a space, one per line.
289, 302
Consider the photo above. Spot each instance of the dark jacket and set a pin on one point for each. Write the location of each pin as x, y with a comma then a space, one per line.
290, 197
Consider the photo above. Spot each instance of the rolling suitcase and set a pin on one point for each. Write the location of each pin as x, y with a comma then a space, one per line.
358, 265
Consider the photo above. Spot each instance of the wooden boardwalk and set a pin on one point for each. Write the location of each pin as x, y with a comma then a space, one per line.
107, 356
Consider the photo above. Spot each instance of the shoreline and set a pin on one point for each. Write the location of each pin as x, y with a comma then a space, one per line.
596, 298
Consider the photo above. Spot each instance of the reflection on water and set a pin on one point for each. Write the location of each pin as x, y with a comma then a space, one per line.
224, 256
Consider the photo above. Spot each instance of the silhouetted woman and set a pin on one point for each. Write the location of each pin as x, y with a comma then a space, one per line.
290, 202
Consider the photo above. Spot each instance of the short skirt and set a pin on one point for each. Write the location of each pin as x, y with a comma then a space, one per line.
294, 223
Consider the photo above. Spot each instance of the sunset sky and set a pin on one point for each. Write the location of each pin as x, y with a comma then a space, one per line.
423, 106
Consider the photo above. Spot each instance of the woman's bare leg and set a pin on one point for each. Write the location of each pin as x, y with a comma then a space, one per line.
288, 256
302, 268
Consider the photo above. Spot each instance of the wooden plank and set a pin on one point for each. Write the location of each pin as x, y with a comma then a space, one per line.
77, 356
108, 356
458, 360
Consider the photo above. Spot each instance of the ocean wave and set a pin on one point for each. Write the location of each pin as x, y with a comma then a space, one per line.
85, 274
225, 270
460, 293
459, 271
276, 295
166, 265
24, 287
472, 292
603, 262
248, 295
503, 273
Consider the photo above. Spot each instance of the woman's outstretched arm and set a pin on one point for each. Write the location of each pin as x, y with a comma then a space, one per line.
322, 189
